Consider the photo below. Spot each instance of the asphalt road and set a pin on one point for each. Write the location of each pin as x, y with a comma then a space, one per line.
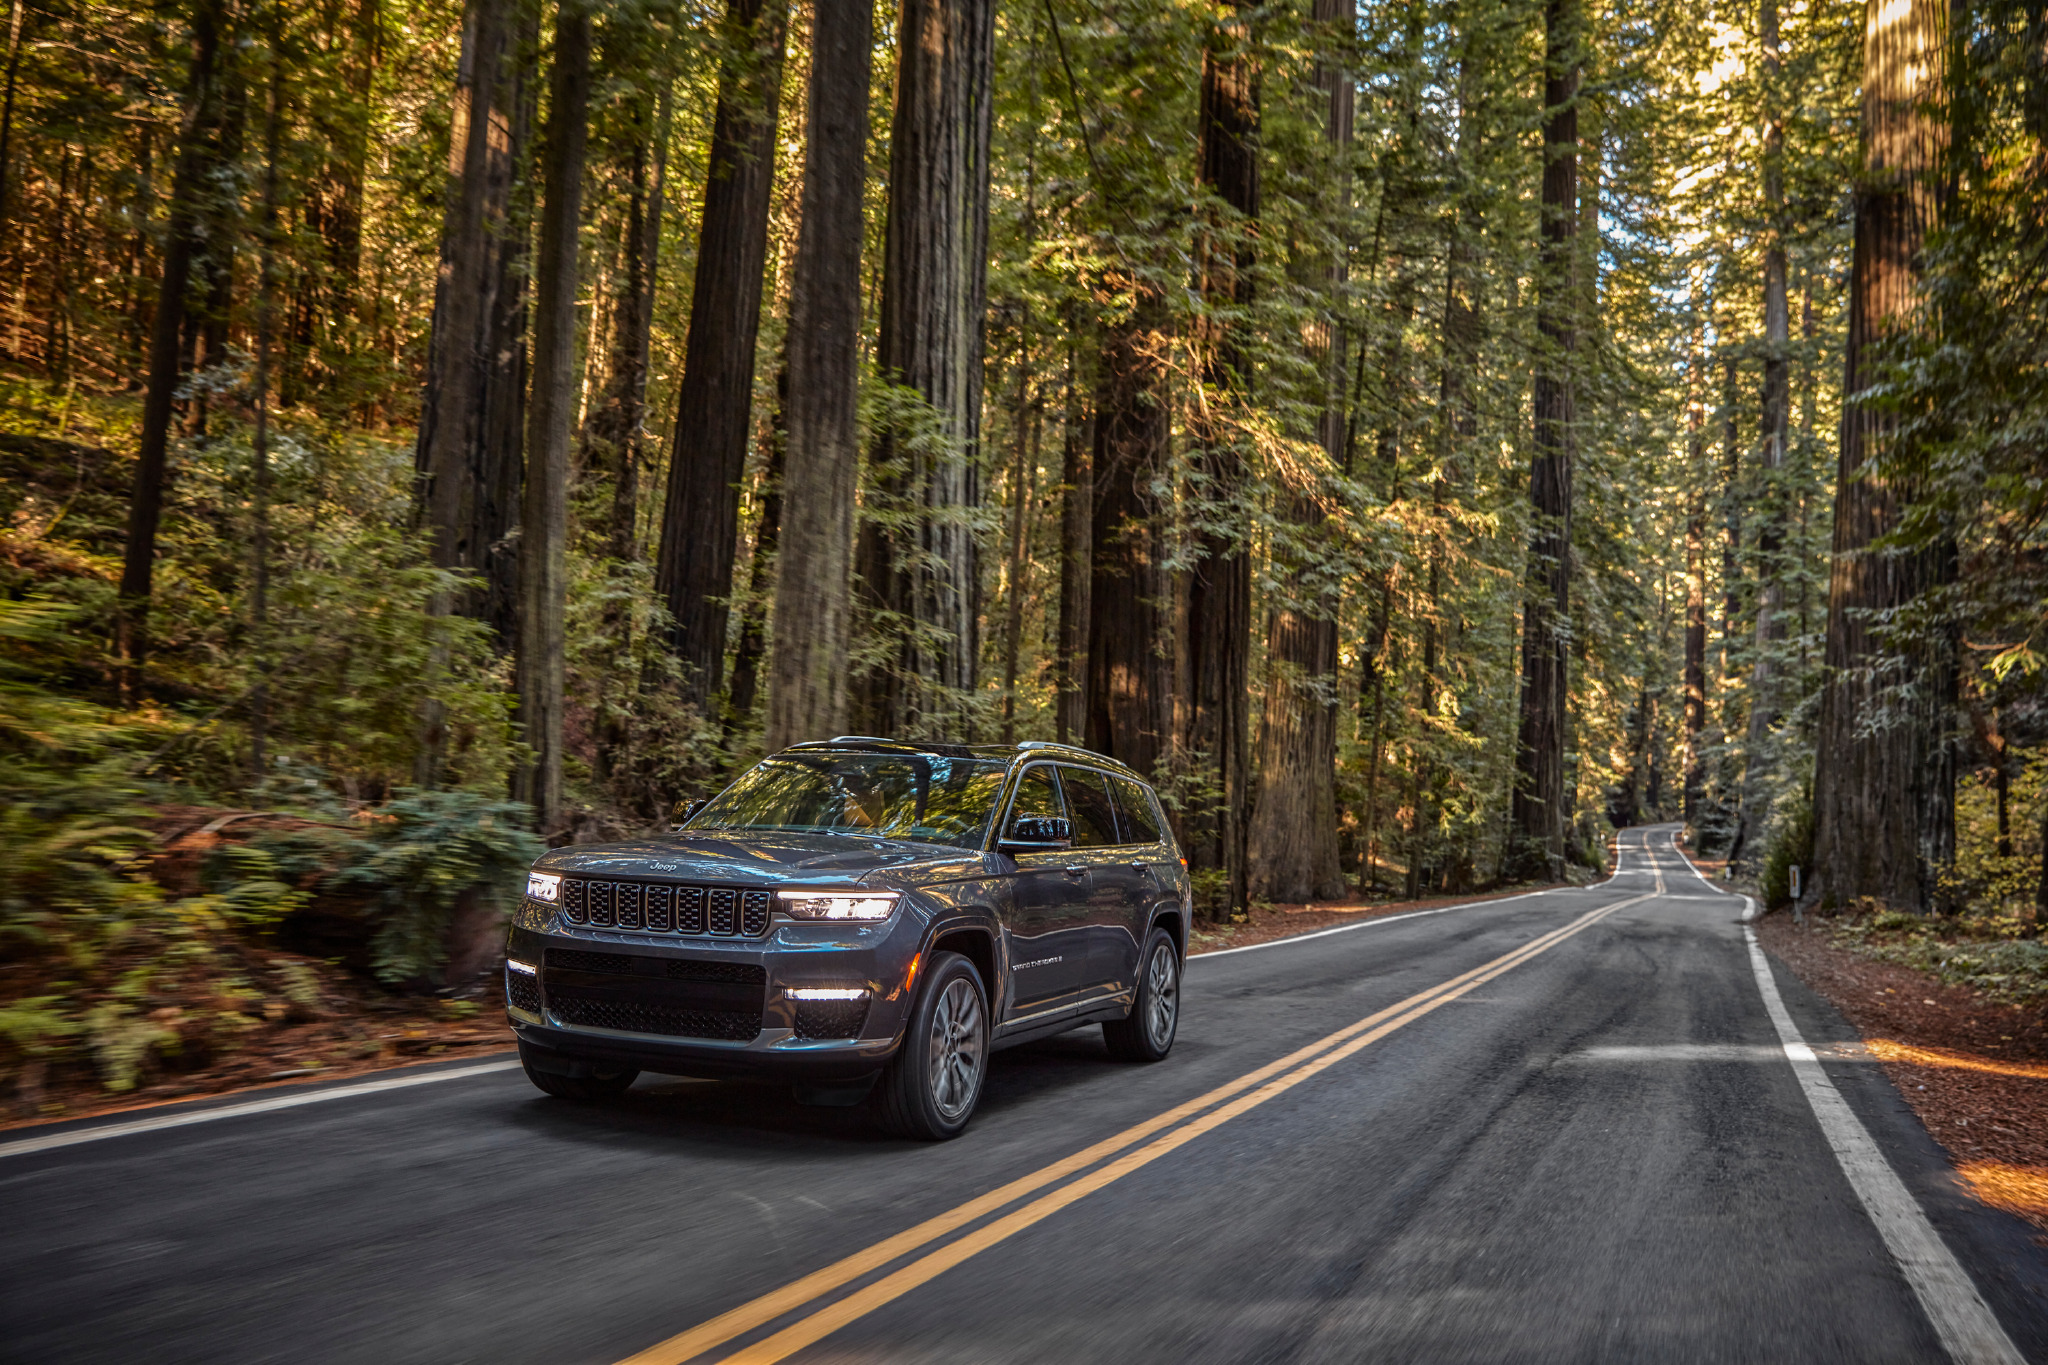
1596, 1150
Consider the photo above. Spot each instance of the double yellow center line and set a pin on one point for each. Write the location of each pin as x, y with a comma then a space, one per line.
1193, 1118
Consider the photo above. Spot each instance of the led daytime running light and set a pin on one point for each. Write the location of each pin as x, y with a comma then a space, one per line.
838, 905
544, 886
523, 968
826, 993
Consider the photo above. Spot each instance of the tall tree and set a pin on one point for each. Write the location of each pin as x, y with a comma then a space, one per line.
1291, 846
1539, 813
199, 156
920, 569
544, 508
1219, 586
714, 405
1777, 429
472, 408
821, 460
1130, 678
1883, 792
1077, 522
616, 428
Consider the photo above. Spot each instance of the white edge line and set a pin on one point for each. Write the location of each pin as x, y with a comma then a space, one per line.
71, 1138
1968, 1329
1418, 914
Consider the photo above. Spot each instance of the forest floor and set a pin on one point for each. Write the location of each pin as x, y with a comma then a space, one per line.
1975, 1070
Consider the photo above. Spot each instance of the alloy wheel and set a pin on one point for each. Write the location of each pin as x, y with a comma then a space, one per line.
1162, 983
957, 1048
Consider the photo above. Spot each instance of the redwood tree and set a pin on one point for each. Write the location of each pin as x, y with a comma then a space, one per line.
714, 407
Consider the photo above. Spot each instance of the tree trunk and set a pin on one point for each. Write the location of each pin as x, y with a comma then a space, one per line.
1731, 510
753, 642
934, 283
1291, 845
1777, 428
1130, 704
468, 454
1883, 799
1219, 587
613, 435
714, 404
198, 156
544, 509
1023, 492
813, 590
1077, 521
1538, 815
266, 306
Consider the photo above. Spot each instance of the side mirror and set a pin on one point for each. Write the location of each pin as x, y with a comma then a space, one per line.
1037, 834
682, 812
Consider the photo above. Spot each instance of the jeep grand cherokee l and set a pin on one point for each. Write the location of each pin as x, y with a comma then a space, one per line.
863, 918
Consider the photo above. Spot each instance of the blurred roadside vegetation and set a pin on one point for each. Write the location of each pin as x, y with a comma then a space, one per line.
161, 901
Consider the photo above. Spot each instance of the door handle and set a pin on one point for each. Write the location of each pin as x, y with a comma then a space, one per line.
1076, 870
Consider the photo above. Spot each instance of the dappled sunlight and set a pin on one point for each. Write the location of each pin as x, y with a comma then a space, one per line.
2016, 1189
1886, 1050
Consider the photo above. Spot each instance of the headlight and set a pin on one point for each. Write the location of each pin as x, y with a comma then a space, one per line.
544, 886
849, 905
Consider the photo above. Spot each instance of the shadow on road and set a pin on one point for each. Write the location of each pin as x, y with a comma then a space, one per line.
672, 1114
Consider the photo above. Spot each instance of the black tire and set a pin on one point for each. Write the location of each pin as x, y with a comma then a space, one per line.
934, 1081
603, 1083
1146, 1035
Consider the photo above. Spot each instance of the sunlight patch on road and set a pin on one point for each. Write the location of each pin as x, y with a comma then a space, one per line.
1884, 1049
2016, 1189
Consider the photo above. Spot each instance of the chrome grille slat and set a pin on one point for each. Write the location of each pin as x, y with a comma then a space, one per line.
664, 908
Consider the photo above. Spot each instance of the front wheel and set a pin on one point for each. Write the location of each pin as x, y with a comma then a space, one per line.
602, 1083
1146, 1034
933, 1082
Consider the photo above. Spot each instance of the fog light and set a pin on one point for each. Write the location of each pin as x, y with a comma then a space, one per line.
826, 993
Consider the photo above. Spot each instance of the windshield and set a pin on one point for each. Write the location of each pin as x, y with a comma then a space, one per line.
897, 796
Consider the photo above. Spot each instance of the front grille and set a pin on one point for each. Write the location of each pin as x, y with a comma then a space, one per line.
818, 1019
633, 964
662, 908
634, 1017
522, 991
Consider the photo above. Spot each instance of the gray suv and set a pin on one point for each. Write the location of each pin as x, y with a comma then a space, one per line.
865, 918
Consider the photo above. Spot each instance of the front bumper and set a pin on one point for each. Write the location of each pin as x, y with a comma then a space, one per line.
653, 999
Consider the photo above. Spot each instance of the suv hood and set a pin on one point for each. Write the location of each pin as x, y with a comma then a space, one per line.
767, 858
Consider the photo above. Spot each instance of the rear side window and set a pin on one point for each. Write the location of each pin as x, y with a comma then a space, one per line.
1090, 808
1134, 804
1038, 793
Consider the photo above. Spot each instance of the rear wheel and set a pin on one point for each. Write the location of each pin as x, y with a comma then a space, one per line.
601, 1083
1146, 1035
934, 1081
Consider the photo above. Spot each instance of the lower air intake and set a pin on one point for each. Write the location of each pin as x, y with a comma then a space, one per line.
632, 1017
822, 1019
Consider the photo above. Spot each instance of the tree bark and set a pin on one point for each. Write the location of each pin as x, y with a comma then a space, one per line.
714, 405
1077, 521
1130, 680
1538, 815
1291, 849
544, 509
1777, 427
813, 590
614, 432
471, 412
934, 286
1883, 796
753, 642
198, 155
1219, 587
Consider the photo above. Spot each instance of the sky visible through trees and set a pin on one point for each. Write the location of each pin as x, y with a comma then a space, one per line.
1421, 436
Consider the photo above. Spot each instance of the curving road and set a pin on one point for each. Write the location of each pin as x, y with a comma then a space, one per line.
1575, 1125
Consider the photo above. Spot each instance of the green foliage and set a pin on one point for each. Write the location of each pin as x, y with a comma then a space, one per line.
2001, 955
1790, 845
423, 855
